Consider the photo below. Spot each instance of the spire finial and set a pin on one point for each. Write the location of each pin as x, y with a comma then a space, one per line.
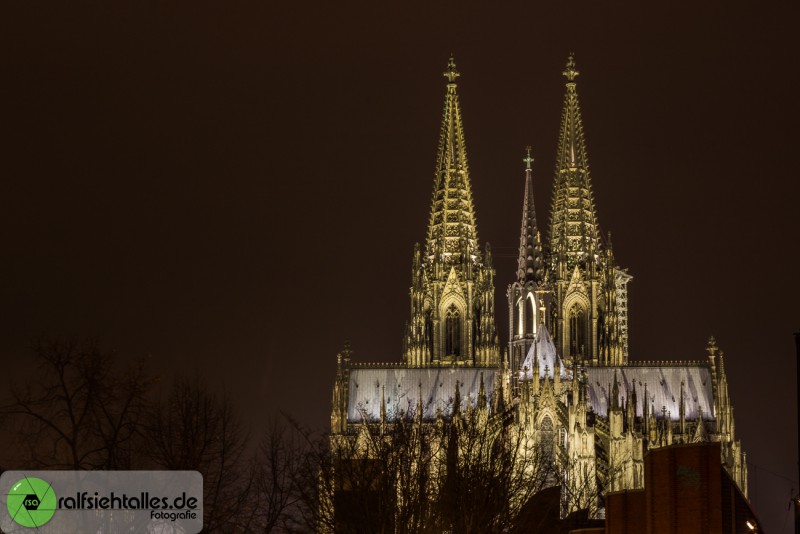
347, 352
712, 346
482, 394
570, 72
457, 401
451, 73
528, 159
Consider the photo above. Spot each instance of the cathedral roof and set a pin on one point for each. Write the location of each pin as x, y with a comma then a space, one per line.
663, 389
400, 388
543, 352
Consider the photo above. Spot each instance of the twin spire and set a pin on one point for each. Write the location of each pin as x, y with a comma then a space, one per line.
571, 144
452, 230
573, 230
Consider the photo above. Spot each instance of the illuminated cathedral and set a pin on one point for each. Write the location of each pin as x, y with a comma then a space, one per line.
565, 379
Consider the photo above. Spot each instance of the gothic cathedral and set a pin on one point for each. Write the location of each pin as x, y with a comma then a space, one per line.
565, 379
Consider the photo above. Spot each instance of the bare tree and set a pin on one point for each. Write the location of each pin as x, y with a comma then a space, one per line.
382, 479
580, 492
314, 482
84, 411
80, 412
195, 429
494, 469
272, 506
471, 472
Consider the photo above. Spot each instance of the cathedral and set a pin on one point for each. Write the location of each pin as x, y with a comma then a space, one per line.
565, 380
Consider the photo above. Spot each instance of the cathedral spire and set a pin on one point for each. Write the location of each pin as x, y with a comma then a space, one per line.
452, 291
529, 263
572, 146
573, 223
452, 227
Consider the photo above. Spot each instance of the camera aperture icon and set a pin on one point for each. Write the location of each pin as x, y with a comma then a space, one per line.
31, 502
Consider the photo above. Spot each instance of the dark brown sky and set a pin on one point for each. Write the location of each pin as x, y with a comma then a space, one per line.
236, 187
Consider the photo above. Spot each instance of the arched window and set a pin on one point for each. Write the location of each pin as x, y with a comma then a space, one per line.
530, 316
518, 325
577, 331
429, 332
452, 332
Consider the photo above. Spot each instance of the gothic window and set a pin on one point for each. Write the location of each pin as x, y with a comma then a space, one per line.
577, 331
476, 321
530, 316
429, 332
452, 331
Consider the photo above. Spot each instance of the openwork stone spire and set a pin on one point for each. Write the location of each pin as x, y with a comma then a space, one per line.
529, 263
573, 231
452, 283
452, 230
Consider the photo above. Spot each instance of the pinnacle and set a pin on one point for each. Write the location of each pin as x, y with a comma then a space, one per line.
570, 72
452, 227
451, 73
529, 262
712, 346
574, 221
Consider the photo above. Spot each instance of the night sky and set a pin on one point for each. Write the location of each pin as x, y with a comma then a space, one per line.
235, 188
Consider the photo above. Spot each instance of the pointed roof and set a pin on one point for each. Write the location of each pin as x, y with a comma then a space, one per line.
573, 223
429, 390
543, 353
615, 392
452, 224
457, 400
529, 263
700, 432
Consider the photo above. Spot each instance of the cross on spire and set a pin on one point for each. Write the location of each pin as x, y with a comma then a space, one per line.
542, 308
528, 159
451, 73
571, 72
